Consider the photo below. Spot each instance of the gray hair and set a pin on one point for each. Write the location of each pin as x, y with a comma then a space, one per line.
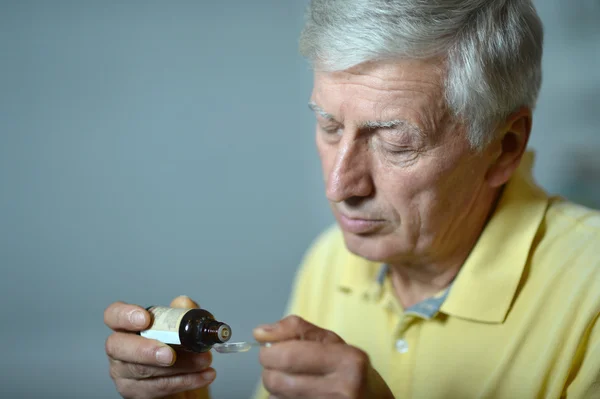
492, 49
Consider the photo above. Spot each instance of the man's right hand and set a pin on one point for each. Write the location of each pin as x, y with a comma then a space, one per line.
143, 368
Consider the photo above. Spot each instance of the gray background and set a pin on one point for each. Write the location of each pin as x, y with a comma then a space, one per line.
151, 148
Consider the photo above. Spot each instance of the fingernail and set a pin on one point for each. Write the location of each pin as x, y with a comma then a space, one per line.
208, 375
267, 327
137, 318
164, 356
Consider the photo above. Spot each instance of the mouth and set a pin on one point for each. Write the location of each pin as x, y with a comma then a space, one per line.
358, 225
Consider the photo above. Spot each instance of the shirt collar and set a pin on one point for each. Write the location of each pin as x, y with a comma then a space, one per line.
486, 284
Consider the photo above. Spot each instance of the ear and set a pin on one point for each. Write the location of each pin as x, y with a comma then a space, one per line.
509, 147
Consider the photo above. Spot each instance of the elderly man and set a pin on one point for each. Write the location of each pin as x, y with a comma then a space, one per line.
451, 274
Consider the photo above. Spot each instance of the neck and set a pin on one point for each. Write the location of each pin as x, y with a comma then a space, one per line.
416, 281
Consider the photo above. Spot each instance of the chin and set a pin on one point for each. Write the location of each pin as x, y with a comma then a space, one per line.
370, 247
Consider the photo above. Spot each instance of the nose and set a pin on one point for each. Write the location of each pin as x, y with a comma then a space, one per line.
350, 177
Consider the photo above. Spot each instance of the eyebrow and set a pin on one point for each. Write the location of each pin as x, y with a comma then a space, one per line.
393, 124
314, 107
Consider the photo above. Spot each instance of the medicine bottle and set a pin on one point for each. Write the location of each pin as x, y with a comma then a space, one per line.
194, 330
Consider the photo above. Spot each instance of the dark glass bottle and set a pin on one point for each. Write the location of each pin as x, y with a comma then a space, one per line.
194, 330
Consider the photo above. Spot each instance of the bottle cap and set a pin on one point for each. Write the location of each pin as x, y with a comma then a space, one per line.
224, 333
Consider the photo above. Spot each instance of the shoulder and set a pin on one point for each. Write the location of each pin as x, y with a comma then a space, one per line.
567, 253
582, 220
571, 233
572, 245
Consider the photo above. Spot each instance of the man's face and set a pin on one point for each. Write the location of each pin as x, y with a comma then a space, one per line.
400, 175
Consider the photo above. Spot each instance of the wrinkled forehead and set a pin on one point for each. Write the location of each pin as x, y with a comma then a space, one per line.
412, 90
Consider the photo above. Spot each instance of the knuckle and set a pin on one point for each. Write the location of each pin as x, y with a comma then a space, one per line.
175, 384
355, 374
264, 358
128, 389
187, 382
110, 346
166, 384
331, 337
325, 336
125, 389
122, 385
294, 321
112, 371
286, 359
140, 371
272, 381
359, 360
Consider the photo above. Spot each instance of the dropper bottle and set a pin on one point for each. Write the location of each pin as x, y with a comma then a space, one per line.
194, 330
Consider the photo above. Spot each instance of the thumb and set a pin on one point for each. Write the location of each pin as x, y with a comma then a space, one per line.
184, 302
294, 328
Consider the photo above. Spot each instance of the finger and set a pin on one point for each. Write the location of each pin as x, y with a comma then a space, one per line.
187, 363
184, 302
121, 316
166, 386
133, 348
311, 357
283, 385
294, 327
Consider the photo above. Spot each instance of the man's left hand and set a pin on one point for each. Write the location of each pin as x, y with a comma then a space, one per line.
305, 361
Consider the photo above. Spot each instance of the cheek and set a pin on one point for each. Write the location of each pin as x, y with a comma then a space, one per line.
454, 192
404, 187
407, 195
415, 194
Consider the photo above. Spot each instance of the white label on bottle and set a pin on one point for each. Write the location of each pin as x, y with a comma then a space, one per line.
165, 324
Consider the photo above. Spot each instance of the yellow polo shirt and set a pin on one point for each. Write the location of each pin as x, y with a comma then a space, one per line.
519, 321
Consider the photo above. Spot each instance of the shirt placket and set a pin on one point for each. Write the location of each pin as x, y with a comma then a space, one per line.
404, 342
405, 326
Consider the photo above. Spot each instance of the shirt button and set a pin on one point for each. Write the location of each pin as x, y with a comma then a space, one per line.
401, 346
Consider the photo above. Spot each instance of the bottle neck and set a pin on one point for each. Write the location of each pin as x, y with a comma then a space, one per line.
214, 332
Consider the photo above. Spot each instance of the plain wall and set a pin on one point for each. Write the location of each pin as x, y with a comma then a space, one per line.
150, 149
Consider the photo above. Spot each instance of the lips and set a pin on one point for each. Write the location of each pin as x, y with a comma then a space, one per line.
359, 225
